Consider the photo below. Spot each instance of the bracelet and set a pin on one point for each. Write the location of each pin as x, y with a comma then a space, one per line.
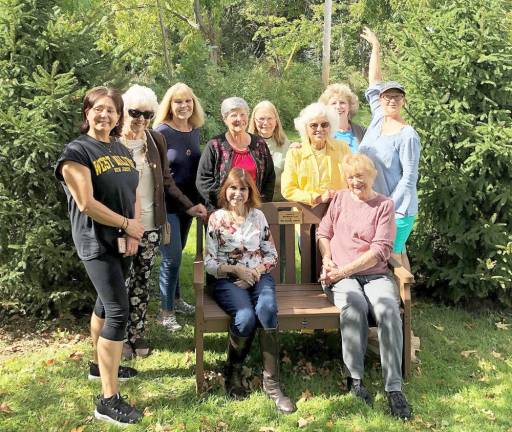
124, 225
127, 223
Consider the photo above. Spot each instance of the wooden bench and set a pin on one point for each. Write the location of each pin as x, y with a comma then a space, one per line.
302, 304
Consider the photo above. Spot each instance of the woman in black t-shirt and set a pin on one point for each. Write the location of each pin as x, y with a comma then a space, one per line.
100, 181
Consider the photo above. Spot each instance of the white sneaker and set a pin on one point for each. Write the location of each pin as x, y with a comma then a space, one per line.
170, 323
182, 307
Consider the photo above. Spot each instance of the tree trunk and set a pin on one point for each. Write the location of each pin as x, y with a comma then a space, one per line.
326, 49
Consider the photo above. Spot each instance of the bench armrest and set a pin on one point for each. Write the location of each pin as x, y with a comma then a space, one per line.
404, 279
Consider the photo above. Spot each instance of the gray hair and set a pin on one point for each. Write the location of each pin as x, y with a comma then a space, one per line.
312, 111
233, 103
138, 94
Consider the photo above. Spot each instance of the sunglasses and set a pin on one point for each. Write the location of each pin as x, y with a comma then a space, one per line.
136, 114
323, 125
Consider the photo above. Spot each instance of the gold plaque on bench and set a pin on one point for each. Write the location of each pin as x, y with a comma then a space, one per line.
290, 217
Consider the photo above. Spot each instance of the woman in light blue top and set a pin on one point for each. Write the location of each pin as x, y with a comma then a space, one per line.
393, 146
346, 103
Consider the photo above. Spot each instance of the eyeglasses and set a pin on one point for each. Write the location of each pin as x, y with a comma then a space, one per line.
323, 125
148, 115
262, 120
396, 97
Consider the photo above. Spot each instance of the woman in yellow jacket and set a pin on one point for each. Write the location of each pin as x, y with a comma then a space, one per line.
312, 172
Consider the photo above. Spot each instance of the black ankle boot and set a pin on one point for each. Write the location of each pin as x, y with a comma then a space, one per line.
269, 344
238, 348
357, 388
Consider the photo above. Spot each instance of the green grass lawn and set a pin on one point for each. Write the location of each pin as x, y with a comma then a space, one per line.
462, 383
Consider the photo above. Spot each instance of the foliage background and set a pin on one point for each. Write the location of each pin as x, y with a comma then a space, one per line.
454, 57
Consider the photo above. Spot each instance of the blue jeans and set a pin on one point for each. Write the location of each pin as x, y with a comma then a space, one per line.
171, 259
248, 307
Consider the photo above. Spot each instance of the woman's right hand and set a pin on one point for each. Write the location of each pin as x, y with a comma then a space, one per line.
246, 274
370, 36
134, 229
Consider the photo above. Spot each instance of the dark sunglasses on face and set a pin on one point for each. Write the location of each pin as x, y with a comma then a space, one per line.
323, 125
136, 114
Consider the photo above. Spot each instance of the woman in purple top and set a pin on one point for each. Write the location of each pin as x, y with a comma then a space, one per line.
178, 119
355, 239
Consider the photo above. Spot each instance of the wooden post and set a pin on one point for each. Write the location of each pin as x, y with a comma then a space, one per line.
326, 49
168, 64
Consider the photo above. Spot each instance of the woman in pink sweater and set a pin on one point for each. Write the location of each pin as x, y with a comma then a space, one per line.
355, 239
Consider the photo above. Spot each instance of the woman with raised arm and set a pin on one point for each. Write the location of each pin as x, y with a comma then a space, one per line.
100, 180
179, 119
266, 123
312, 173
355, 239
240, 254
149, 151
346, 103
394, 148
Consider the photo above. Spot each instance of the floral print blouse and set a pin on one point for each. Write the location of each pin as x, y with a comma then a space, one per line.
249, 244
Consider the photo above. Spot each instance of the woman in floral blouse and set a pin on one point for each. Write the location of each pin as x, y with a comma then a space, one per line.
240, 254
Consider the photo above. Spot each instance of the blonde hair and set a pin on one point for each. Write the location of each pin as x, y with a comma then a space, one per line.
164, 113
316, 109
358, 163
278, 134
342, 91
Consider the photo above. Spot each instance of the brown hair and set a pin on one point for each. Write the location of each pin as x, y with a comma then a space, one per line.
92, 97
239, 175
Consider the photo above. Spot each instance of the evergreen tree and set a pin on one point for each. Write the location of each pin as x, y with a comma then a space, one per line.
47, 61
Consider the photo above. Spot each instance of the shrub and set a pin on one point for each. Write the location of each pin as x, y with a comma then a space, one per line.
42, 83
456, 63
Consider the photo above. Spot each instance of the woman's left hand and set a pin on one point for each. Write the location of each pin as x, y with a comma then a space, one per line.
333, 275
132, 246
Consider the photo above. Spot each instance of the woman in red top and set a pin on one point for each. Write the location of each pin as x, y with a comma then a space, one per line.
235, 148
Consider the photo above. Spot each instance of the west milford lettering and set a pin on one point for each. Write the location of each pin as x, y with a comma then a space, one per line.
106, 163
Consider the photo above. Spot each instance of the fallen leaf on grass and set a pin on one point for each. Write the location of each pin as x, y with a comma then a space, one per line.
147, 412
496, 354
78, 429
489, 414
502, 326
466, 354
266, 429
4, 408
76, 356
165, 428
49, 362
306, 395
440, 328
329, 424
303, 422
469, 325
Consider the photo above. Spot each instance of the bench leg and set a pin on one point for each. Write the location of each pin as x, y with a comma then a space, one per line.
406, 359
199, 341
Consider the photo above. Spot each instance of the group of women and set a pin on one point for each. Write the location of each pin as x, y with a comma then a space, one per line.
128, 186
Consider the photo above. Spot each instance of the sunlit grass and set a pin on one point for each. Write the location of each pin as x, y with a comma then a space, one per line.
451, 390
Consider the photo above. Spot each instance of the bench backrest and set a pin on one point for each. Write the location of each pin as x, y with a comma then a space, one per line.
285, 219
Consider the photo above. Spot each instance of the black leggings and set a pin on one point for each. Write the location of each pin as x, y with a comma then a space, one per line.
109, 274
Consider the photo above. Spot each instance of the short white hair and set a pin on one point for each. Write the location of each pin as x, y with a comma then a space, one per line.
233, 103
138, 94
312, 111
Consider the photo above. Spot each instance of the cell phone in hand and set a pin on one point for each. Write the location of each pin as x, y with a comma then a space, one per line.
121, 245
